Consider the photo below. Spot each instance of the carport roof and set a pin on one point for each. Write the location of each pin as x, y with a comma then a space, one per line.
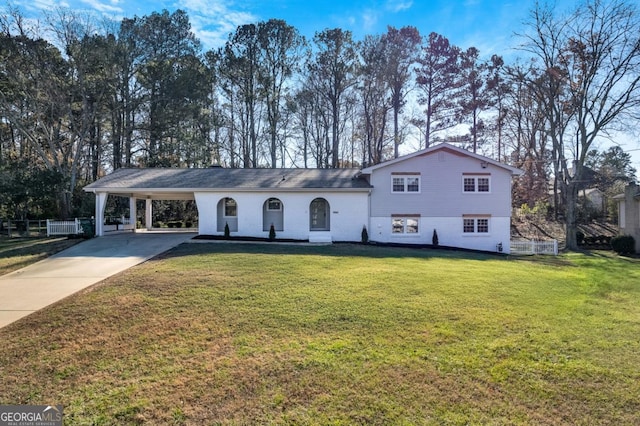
218, 178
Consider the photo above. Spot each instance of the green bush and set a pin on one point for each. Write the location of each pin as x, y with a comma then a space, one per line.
364, 235
623, 244
434, 238
272, 233
227, 233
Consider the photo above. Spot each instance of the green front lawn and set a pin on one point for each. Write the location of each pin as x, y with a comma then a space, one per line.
344, 334
16, 253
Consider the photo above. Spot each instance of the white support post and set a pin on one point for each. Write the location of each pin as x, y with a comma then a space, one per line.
148, 214
101, 203
133, 214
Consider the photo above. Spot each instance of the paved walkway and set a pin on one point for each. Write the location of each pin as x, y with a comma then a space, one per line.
32, 288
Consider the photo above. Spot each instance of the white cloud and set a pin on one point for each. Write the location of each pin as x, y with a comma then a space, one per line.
398, 5
37, 5
212, 21
103, 7
203, 6
369, 20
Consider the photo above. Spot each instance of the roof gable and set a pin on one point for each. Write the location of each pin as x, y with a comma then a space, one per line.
446, 148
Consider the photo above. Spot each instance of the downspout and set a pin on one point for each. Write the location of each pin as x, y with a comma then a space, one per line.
369, 230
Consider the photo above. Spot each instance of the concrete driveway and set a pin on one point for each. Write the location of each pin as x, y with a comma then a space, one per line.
32, 288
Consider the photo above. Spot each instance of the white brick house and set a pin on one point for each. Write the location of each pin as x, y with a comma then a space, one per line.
464, 196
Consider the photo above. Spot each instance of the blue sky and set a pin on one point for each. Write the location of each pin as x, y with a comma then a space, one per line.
486, 24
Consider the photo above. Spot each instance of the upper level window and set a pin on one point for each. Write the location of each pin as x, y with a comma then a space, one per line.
476, 183
405, 183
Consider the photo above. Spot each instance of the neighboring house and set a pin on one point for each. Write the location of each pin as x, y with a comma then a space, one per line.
629, 212
595, 199
589, 195
465, 197
592, 198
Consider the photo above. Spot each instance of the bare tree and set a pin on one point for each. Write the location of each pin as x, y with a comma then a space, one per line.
375, 96
279, 57
436, 81
525, 128
402, 53
592, 63
332, 75
473, 95
240, 71
498, 89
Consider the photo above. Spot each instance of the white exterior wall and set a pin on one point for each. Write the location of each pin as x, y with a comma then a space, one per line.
349, 213
449, 231
630, 213
441, 202
441, 193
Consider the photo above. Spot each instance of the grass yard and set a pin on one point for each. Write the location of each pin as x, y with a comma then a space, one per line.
16, 253
342, 334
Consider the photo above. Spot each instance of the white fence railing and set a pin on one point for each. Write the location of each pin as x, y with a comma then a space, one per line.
119, 223
63, 227
120, 220
534, 247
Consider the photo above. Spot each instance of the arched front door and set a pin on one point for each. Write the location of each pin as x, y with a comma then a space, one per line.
319, 215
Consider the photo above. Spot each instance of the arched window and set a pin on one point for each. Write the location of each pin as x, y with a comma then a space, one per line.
227, 214
273, 214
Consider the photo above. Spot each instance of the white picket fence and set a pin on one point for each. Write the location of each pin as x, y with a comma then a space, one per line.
63, 227
534, 247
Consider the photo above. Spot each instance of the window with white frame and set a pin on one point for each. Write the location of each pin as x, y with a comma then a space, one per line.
475, 224
405, 224
274, 205
230, 207
477, 184
405, 183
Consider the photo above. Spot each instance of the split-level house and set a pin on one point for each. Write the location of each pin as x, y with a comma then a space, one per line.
629, 212
464, 197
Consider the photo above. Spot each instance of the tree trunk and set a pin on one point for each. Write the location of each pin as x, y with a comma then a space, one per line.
396, 136
335, 134
571, 216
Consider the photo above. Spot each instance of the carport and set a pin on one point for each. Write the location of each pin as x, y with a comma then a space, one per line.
136, 184
147, 196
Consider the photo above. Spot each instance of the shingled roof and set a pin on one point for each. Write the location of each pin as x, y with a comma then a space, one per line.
218, 178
